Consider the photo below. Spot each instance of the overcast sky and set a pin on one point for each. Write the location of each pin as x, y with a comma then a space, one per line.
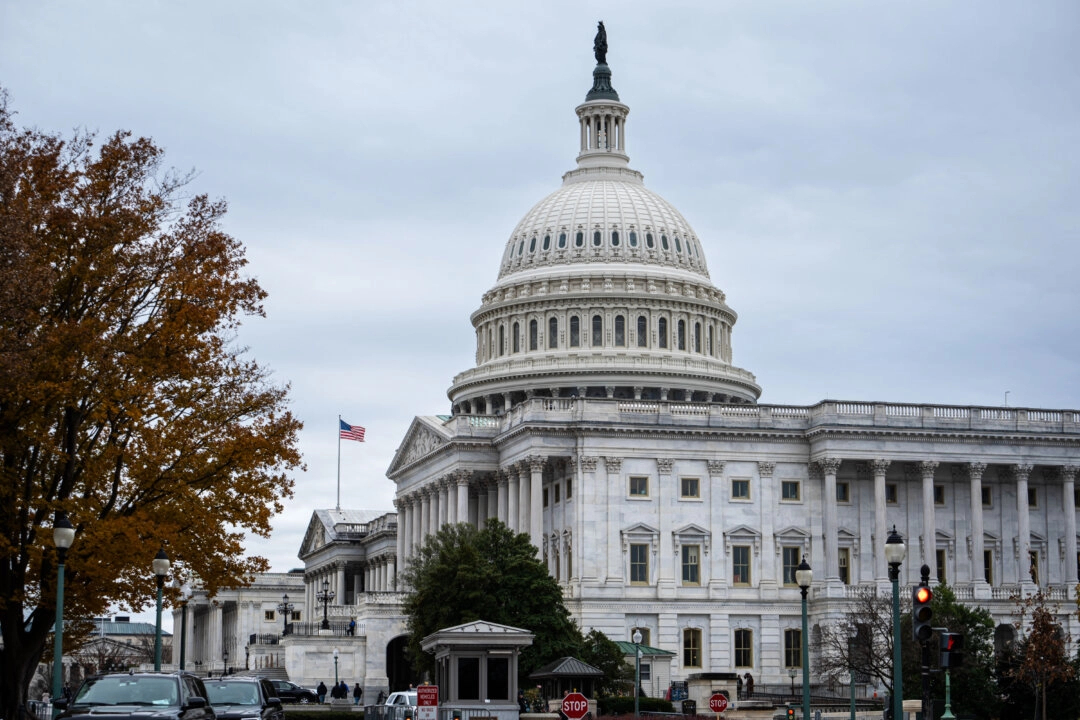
887, 192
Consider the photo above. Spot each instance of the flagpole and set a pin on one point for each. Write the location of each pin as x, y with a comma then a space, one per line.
338, 506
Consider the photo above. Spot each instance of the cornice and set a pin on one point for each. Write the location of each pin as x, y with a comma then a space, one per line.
943, 435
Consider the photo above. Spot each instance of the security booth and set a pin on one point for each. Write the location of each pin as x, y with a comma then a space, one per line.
476, 669
567, 674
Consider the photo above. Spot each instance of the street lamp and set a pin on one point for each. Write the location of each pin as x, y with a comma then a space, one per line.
792, 673
803, 576
63, 536
895, 551
285, 608
336, 680
185, 595
325, 596
225, 663
161, 569
637, 669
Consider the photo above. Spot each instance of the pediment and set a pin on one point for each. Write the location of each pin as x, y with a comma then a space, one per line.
424, 437
314, 537
743, 531
794, 533
640, 529
691, 529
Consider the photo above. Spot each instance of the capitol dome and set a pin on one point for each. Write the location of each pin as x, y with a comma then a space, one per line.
603, 291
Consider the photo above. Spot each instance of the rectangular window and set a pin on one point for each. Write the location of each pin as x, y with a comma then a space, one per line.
498, 678
844, 561
569, 488
545, 494
793, 648
791, 564
269, 615
639, 486
639, 564
892, 495
987, 497
843, 492
689, 487
789, 490
939, 494
597, 331
645, 670
740, 564
1033, 497
620, 330
740, 489
691, 647
557, 488
468, 677
1034, 567
744, 648
295, 616
942, 576
988, 566
691, 564
575, 332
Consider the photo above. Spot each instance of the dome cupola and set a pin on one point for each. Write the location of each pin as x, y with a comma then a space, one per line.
603, 289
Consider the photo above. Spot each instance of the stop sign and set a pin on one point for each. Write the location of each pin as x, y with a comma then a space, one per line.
575, 706
718, 702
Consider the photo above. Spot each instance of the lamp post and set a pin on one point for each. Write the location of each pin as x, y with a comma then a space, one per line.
185, 595
161, 569
895, 551
637, 669
325, 596
792, 673
336, 680
224, 663
63, 536
285, 608
803, 576
247, 657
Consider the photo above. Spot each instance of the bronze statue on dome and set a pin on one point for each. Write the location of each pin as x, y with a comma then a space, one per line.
600, 44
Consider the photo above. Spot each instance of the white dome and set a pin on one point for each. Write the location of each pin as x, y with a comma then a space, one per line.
603, 214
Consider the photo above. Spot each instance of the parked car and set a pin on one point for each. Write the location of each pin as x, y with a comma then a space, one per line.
400, 703
289, 692
248, 698
167, 696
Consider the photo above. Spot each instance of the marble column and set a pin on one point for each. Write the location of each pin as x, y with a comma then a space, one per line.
536, 506
503, 498
425, 512
481, 505
399, 506
416, 522
1068, 477
462, 478
445, 506
830, 528
524, 493
492, 498
1023, 539
929, 523
880, 468
975, 473
512, 497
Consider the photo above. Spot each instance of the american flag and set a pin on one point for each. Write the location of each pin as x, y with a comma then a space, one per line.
351, 432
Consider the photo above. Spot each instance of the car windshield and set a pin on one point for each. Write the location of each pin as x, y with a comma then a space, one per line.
128, 690
225, 692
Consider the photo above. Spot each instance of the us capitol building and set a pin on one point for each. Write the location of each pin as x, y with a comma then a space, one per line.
605, 418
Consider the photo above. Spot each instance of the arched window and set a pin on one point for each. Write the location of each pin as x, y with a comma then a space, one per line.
553, 332
596, 238
642, 331
579, 239
697, 337
575, 331
620, 331
547, 242
663, 242
614, 238
649, 240
562, 240
661, 332
502, 339
532, 245
521, 248
682, 335
633, 239
678, 245
709, 335
597, 331
533, 335
517, 338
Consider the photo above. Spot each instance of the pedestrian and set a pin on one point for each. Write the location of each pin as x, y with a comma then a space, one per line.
321, 692
381, 698
522, 707
749, 685
738, 687
357, 693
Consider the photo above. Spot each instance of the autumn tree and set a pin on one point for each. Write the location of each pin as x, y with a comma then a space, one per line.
1036, 673
462, 574
125, 400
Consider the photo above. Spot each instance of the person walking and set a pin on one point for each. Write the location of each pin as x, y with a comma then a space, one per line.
321, 692
357, 693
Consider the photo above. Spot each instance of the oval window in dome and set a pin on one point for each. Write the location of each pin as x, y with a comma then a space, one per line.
596, 238
663, 242
547, 242
678, 245
614, 238
532, 245
579, 240
562, 240
633, 239
649, 240
521, 248
690, 248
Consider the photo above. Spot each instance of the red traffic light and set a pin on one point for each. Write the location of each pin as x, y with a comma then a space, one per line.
923, 594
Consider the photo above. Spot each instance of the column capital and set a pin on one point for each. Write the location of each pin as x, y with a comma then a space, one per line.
1068, 472
664, 465
880, 466
830, 465
588, 462
461, 477
536, 462
1021, 471
765, 469
613, 464
976, 470
716, 467
927, 468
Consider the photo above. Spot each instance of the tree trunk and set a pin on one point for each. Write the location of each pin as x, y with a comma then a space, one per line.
24, 643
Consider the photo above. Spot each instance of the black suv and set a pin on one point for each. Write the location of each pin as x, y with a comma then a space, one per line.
293, 693
249, 698
165, 696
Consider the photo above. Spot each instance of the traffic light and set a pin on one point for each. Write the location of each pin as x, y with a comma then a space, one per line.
791, 713
922, 615
952, 650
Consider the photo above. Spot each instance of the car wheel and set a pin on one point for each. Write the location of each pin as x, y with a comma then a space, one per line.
304, 700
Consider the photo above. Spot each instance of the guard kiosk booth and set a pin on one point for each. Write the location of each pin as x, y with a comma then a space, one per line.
476, 668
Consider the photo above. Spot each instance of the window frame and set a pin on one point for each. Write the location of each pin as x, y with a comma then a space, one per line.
793, 649
843, 564
691, 646
843, 488
787, 568
737, 484
684, 487
631, 490
639, 566
743, 648
892, 489
939, 495
690, 560
784, 485
736, 551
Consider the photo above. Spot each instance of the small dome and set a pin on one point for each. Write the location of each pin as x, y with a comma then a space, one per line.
603, 215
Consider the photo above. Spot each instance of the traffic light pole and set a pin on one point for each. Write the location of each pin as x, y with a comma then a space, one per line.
927, 702
948, 698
